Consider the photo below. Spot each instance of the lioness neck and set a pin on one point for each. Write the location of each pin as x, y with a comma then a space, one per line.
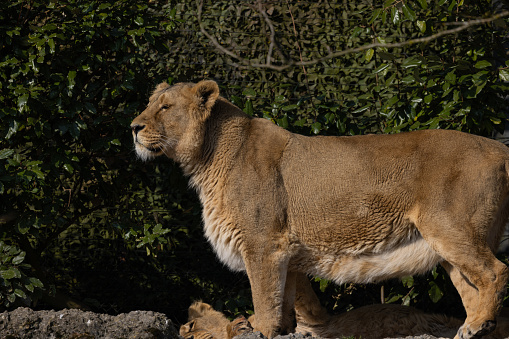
223, 135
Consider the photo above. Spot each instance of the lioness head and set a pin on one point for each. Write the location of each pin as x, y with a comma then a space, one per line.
170, 123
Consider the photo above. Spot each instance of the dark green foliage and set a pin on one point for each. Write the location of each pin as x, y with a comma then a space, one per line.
443, 83
80, 215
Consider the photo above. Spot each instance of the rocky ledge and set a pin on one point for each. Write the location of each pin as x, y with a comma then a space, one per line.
75, 324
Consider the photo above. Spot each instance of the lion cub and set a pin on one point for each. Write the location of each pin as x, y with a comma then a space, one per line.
368, 322
207, 323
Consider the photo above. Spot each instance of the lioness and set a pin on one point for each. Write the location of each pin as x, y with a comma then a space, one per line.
349, 209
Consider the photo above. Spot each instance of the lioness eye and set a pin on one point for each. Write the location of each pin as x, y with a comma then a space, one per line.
165, 106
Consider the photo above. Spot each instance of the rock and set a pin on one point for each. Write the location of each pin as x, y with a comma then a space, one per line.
258, 335
75, 324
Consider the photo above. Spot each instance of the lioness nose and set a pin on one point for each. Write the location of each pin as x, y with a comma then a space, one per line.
136, 128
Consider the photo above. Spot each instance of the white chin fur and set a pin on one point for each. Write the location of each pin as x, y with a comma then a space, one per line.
144, 154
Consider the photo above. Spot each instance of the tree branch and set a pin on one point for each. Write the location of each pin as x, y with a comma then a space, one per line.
288, 63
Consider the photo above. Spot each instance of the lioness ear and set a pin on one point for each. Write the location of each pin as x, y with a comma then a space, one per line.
206, 92
159, 88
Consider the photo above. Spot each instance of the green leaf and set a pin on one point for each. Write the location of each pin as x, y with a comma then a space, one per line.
413, 61
249, 93
409, 12
316, 127
386, 56
423, 4
408, 281
408, 79
362, 109
323, 284
451, 77
482, 64
248, 108
381, 68
10, 273
139, 21
5, 153
70, 78
18, 259
433, 123
375, 15
22, 101
434, 292
387, 3
395, 17
69, 168
283, 122
116, 142
51, 44
503, 73
421, 24
391, 299
20, 293
369, 54
12, 129
74, 130
36, 282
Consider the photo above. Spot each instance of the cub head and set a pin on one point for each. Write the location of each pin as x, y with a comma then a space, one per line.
171, 123
204, 319
207, 323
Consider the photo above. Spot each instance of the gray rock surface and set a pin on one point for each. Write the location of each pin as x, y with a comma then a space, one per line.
75, 324
258, 335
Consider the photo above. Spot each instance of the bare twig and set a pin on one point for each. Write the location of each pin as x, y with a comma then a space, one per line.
288, 63
296, 37
272, 32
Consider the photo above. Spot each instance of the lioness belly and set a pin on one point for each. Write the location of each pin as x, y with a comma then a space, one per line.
412, 257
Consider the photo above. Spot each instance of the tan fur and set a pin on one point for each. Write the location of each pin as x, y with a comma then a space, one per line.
358, 209
207, 323
368, 322
376, 321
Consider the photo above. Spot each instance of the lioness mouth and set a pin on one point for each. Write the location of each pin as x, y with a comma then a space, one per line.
154, 150
150, 149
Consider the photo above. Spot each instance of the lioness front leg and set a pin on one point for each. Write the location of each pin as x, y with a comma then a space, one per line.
268, 276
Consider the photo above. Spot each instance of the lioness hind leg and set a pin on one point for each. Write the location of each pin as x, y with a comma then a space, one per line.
480, 279
308, 309
472, 301
468, 292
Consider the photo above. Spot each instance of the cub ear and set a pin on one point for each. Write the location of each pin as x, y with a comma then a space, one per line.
198, 309
207, 92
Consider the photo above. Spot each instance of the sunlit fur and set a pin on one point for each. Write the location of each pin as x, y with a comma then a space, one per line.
349, 209
206, 323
